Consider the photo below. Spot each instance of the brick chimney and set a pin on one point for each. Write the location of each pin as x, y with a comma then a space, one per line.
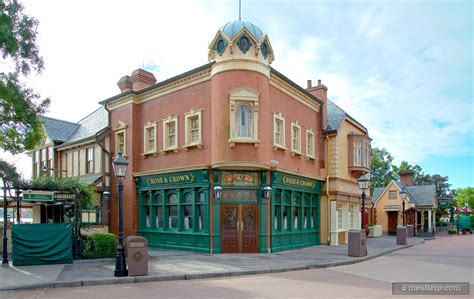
141, 79
125, 84
406, 177
321, 92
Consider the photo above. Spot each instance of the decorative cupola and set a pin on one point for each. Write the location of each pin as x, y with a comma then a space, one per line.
241, 45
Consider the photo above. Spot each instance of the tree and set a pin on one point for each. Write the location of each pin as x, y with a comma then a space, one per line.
20, 107
464, 195
419, 177
381, 173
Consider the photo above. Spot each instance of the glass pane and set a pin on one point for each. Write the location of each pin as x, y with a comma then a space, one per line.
305, 218
159, 198
313, 218
188, 216
239, 195
202, 198
295, 217
286, 199
277, 218
159, 217
306, 200
172, 216
147, 217
173, 199
147, 199
285, 217
188, 198
201, 214
277, 197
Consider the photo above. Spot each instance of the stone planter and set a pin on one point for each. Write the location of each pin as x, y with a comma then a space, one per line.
375, 231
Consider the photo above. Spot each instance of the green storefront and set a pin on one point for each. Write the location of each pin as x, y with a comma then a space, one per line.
179, 211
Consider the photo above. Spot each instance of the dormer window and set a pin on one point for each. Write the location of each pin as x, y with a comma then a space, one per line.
264, 49
244, 43
221, 45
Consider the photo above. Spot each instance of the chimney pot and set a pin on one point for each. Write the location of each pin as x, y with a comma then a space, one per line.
310, 84
319, 82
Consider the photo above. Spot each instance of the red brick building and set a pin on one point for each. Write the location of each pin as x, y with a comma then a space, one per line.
235, 122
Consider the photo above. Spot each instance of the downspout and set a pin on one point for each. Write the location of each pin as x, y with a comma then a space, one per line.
327, 188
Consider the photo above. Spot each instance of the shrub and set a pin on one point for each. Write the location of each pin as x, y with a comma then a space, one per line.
99, 245
452, 231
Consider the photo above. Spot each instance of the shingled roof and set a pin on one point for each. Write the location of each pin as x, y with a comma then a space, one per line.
90, 125
422, 195
58, 130
336, 117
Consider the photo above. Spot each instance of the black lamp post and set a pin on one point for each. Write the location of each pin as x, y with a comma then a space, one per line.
403, 195
5, 218
120, 165
363, 185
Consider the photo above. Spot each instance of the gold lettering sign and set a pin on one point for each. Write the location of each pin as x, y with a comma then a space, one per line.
172, 179
298, 182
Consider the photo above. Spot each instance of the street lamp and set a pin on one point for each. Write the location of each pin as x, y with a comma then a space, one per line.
5, 219
403, 195
217, 192
363, 185
120, 166
267, 192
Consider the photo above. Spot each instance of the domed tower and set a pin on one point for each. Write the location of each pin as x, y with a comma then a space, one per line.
241, 44
240, 79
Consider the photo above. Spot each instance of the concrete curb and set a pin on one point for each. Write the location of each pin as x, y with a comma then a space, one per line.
204, 275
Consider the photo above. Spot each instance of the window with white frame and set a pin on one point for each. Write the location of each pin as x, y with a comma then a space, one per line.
366, 154
90, 160
193, 128
120, 142
243, 117
37, 165
339, 215
149, 140
170, 133
351, 216
278, 131
310, 144
357, 153
295, 138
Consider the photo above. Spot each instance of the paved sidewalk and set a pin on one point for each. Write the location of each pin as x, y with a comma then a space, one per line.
179, 265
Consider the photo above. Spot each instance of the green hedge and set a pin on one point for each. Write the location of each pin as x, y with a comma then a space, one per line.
99, 245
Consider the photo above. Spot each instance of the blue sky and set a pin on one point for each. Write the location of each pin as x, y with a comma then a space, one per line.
402, 68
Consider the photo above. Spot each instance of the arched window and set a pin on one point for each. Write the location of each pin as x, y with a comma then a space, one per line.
244, 121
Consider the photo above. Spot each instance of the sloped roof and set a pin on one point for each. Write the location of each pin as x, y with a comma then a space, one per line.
90, 125
336, 117
58, 130
377, 192
422, 195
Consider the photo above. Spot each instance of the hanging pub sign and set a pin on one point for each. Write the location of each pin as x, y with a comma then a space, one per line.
239, 179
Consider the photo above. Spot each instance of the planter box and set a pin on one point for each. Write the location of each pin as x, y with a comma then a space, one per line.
375, 231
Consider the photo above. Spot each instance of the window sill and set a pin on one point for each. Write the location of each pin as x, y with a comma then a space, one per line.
188, 146
295, 153
233, 141
310, 158
171, 149
145, 155
277, 147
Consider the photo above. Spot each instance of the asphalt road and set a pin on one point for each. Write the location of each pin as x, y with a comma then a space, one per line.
446, 259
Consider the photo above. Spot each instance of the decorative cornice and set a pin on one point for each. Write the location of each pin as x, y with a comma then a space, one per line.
290, 90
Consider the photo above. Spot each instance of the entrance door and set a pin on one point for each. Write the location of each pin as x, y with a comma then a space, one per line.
239, 228
392, 222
